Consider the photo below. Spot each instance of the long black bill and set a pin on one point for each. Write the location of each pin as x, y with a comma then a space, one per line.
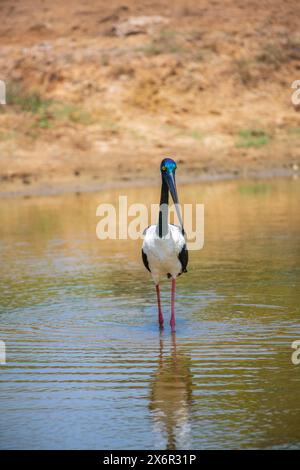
170, 179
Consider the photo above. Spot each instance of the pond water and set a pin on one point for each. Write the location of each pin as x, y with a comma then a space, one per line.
86, 366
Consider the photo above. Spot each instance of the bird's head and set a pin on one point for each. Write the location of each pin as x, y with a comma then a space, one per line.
168, 166
167, 169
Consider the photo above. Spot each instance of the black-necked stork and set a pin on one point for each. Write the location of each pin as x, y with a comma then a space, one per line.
164, 249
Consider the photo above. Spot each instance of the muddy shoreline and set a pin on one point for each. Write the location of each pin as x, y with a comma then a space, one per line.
18, 189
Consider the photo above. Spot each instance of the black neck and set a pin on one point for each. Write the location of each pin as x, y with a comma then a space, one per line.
163, 210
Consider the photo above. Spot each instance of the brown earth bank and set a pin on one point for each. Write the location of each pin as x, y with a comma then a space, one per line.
99, 92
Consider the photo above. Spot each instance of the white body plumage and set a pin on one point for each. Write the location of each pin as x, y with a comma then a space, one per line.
162, 253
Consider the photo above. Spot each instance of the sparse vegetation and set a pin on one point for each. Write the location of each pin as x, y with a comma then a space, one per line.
194, 134
198, 55
177, 131
294, 131
279, 52
45, 112
26, 100
7, 135
272, 54
252, 138
244, 68
166, 42
44, 121
110, 126
105, 60
292, 47
72, 113
30, 101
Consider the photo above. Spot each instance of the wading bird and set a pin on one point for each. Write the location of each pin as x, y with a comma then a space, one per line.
164, 249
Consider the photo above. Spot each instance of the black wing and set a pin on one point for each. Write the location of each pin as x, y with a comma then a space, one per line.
184, 258
144, 256
183, 255
145, 261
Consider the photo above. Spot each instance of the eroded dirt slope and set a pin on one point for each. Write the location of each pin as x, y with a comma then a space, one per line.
101, 91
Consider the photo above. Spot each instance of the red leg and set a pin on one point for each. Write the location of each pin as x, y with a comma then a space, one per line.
172, 321
160, 315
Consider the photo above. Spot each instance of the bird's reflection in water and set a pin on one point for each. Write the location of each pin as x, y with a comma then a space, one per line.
171, 396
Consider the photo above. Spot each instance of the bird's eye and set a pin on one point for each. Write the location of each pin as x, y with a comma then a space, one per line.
163, 168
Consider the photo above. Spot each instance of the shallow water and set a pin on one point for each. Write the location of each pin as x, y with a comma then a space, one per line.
86, 364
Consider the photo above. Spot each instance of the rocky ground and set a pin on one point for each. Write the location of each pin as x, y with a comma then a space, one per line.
98, 92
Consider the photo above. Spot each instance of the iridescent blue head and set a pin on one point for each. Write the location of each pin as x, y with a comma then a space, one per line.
168, 165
